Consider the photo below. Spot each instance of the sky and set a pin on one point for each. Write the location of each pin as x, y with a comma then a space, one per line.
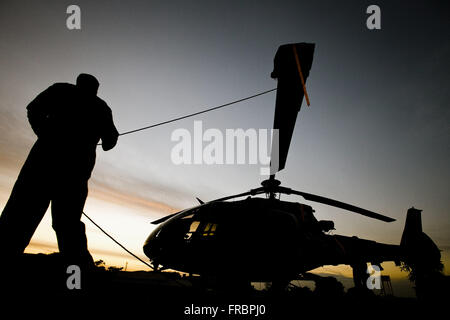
376, 134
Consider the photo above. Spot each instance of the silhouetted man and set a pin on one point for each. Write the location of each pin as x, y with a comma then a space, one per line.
69, 120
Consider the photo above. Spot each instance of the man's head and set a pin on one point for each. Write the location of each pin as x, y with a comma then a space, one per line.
88, 83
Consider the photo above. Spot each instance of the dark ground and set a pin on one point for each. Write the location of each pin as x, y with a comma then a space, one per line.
37, 285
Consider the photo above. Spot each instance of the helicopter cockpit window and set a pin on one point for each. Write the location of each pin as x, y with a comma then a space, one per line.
192, 229
210, 229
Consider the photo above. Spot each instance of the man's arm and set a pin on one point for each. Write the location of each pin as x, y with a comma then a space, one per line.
109, 133
38, 111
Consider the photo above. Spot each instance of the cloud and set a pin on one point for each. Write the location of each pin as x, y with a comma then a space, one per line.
114, 195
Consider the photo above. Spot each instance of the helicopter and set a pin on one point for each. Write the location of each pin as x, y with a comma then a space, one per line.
268, 239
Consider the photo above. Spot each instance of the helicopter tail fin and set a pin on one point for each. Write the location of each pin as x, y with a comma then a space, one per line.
417, 247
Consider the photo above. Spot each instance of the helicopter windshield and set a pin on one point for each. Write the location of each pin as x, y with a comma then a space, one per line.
205, 229
192, 229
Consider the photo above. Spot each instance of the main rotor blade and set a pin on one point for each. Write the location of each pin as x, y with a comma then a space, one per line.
248, 193
292, 64
342, 205
164, 218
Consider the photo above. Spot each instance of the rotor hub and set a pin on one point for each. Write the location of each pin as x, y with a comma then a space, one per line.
271, 186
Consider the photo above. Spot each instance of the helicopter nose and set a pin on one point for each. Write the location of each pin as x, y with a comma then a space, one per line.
151, 246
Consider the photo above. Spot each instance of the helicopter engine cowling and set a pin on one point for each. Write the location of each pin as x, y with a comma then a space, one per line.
326, 225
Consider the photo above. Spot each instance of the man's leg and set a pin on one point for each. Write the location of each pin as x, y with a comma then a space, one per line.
25, 208
67, 206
